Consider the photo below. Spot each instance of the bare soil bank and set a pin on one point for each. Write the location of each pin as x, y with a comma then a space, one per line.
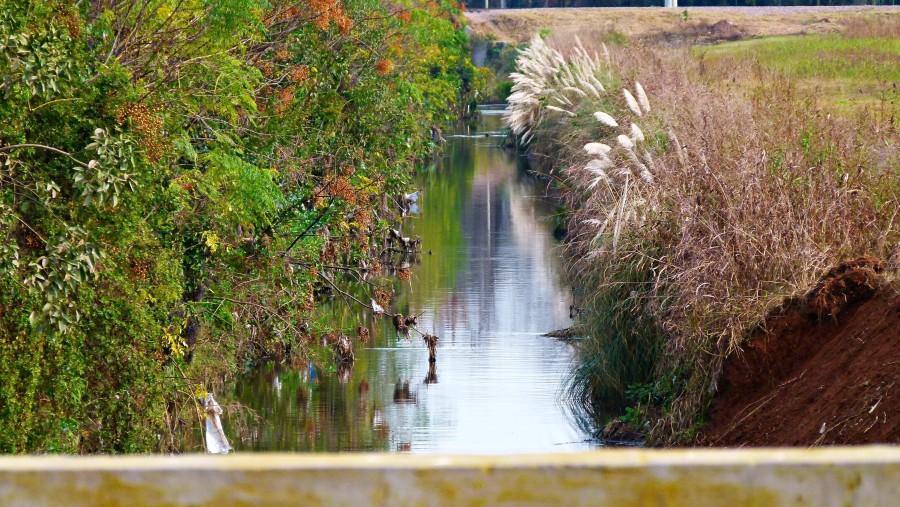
824, 371
519, 25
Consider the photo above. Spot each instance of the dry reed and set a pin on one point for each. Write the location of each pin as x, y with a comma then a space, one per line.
689, 228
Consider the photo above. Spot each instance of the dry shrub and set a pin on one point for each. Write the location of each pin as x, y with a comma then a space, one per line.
768, 192
754, 194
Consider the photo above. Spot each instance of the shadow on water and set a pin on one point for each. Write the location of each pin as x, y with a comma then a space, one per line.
488, 283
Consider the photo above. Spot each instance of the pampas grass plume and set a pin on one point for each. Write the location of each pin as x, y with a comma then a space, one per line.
606, 119
598, 149
625, 142
636, 134
560, 110
598, 166
632, 103
642, 97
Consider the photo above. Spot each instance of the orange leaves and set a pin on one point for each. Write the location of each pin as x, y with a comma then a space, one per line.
147, 124
341, 187
327, 11
285, 98
300, 73
384, 66
282, 55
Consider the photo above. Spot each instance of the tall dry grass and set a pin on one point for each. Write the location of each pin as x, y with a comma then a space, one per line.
754, 193
882, 25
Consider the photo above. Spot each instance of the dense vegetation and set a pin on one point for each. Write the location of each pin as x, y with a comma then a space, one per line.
702, 197
180, 182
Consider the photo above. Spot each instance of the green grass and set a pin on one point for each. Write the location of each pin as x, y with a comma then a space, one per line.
848, 72
820, 56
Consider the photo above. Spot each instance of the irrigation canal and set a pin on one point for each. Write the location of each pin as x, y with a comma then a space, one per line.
488, 283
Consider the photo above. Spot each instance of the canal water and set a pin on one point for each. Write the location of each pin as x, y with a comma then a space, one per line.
488, 283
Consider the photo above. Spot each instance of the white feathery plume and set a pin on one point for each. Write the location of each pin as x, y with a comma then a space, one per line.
600, 178
606, 119
625, 142
590, 87
560, 110
610, 216
577, 90
621, 172
632, 103
579, 46
598, 166
621, 215
561, 99
636, 134
642, 97
639, 169
598, 149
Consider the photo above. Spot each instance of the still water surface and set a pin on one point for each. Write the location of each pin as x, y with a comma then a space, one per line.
490, 287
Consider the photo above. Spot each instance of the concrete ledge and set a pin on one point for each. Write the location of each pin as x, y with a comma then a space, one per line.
858, 476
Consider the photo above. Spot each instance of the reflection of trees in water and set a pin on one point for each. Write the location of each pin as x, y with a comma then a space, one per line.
402, 393
431, 377
329, 413
503, 231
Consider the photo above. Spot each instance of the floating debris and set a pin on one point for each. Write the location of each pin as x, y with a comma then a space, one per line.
362, 334
432, 341
569, 334
216, 443
343, 350
400, 325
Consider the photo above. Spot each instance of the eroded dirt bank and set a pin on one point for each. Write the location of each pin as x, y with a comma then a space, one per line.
824, 371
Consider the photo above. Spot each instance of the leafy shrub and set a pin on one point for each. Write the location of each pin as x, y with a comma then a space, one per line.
178, 180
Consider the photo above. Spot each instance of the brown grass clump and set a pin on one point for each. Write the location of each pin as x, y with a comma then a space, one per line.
874, 26
843, 285
754, 193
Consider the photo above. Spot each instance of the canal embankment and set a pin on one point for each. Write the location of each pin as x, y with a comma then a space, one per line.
703, 194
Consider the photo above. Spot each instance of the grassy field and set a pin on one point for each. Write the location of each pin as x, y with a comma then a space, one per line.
519, 25
849, 57
847, 72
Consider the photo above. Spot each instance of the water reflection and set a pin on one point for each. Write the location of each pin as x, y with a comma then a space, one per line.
490, 287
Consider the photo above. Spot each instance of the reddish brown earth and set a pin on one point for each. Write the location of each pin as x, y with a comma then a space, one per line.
819, 374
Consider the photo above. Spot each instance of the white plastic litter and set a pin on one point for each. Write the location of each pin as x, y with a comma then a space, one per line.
216, 443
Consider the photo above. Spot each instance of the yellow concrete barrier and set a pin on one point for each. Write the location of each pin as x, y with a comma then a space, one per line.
859, 476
